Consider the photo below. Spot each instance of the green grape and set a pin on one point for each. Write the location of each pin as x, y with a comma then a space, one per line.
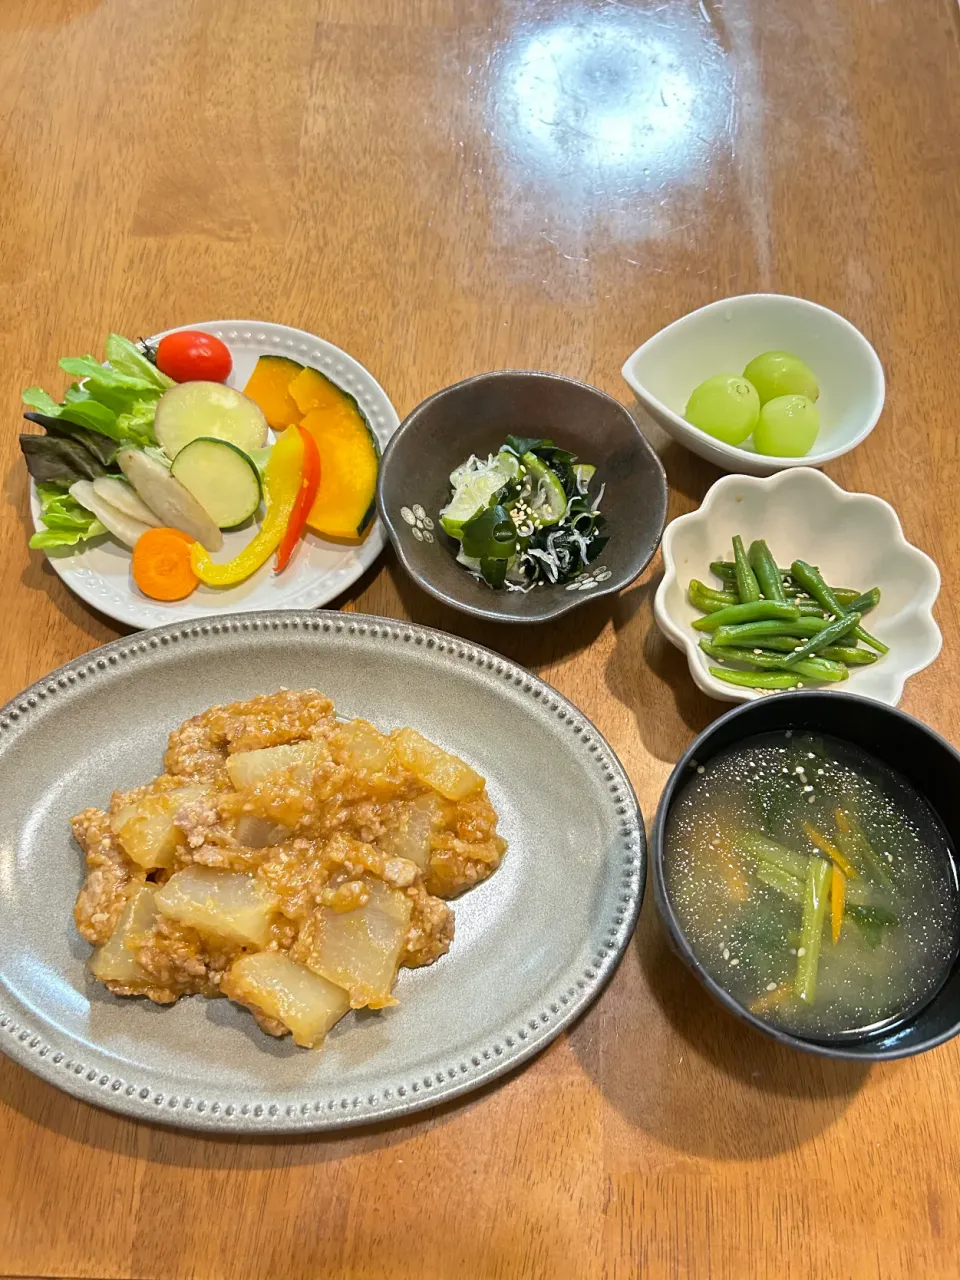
778, 373
725, 407
787, 428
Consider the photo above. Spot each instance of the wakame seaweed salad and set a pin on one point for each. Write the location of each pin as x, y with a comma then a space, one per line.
525, 516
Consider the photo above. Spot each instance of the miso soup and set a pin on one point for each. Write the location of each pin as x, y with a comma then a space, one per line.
814, 884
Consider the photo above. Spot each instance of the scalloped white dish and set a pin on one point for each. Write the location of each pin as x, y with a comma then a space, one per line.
320, 569
854, 538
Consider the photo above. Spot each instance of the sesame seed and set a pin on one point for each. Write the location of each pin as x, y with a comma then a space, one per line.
801, 951
734, 962
726, 953
771, 986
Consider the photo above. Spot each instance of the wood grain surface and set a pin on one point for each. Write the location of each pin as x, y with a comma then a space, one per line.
443, 187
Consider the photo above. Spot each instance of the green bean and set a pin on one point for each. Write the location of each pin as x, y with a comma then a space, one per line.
812, 669
810, 579
811, 928
755, 611
757, 679
862, 604
707, 601
851, 657
748, 589
727, 570
768, 575
835, 630
745, 634
725, 597
848, 595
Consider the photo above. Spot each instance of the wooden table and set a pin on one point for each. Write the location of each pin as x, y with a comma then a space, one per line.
443, 187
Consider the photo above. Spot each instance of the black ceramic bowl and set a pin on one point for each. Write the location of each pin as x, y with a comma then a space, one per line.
474, 417
921, 756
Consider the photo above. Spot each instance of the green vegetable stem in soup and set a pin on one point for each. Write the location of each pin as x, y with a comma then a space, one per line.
814, 884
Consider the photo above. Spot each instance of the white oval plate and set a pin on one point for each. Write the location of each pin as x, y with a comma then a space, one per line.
319, 571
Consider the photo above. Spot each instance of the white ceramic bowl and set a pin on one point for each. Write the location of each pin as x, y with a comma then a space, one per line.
854, 538
724, 337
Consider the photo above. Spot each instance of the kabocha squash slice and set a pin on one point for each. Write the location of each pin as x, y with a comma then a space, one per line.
269, 385
349, 457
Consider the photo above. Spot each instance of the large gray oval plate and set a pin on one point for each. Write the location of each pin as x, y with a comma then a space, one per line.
534, 944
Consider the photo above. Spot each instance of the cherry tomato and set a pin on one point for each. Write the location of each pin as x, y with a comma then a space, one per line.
192, 356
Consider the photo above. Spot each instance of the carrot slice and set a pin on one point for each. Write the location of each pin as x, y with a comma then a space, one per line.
161, 564
826, 846
838, 894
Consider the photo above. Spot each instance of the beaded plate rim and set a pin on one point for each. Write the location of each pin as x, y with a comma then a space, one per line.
93, 1084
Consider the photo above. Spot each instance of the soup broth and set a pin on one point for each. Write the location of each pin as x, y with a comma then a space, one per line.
814, 884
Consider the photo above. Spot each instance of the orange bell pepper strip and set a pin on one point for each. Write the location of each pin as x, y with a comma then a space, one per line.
309, 484
281, 483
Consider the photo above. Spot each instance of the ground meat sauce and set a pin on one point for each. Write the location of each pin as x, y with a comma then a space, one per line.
332, 845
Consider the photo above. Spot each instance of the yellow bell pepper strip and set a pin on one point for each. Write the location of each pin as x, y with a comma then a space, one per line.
838, 894
281, 482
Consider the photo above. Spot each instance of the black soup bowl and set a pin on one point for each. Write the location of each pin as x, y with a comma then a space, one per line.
916, 752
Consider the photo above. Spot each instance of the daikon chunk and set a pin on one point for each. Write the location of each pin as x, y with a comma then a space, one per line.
411, 836
360, 949
440, 770
147, 828
359, 745
306, 1004
249, 768
225, 904
116, 960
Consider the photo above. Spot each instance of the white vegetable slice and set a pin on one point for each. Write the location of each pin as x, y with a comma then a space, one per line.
123, 527
194, 409
305, 1003
168, 498
116, 960
124, 497
360, 949
222, 478
224, 904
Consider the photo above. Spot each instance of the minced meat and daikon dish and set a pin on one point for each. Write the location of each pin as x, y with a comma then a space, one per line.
285, 859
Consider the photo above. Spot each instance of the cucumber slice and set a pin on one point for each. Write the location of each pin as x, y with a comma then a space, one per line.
475, 484
547, 500
208, 410
584, 471
222, 478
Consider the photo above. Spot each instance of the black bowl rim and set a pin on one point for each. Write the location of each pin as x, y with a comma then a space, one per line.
566, 600
837, 1049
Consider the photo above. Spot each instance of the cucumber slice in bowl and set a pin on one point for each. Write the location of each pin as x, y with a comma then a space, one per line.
547, 500
222, 478
475, 484
205, 410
